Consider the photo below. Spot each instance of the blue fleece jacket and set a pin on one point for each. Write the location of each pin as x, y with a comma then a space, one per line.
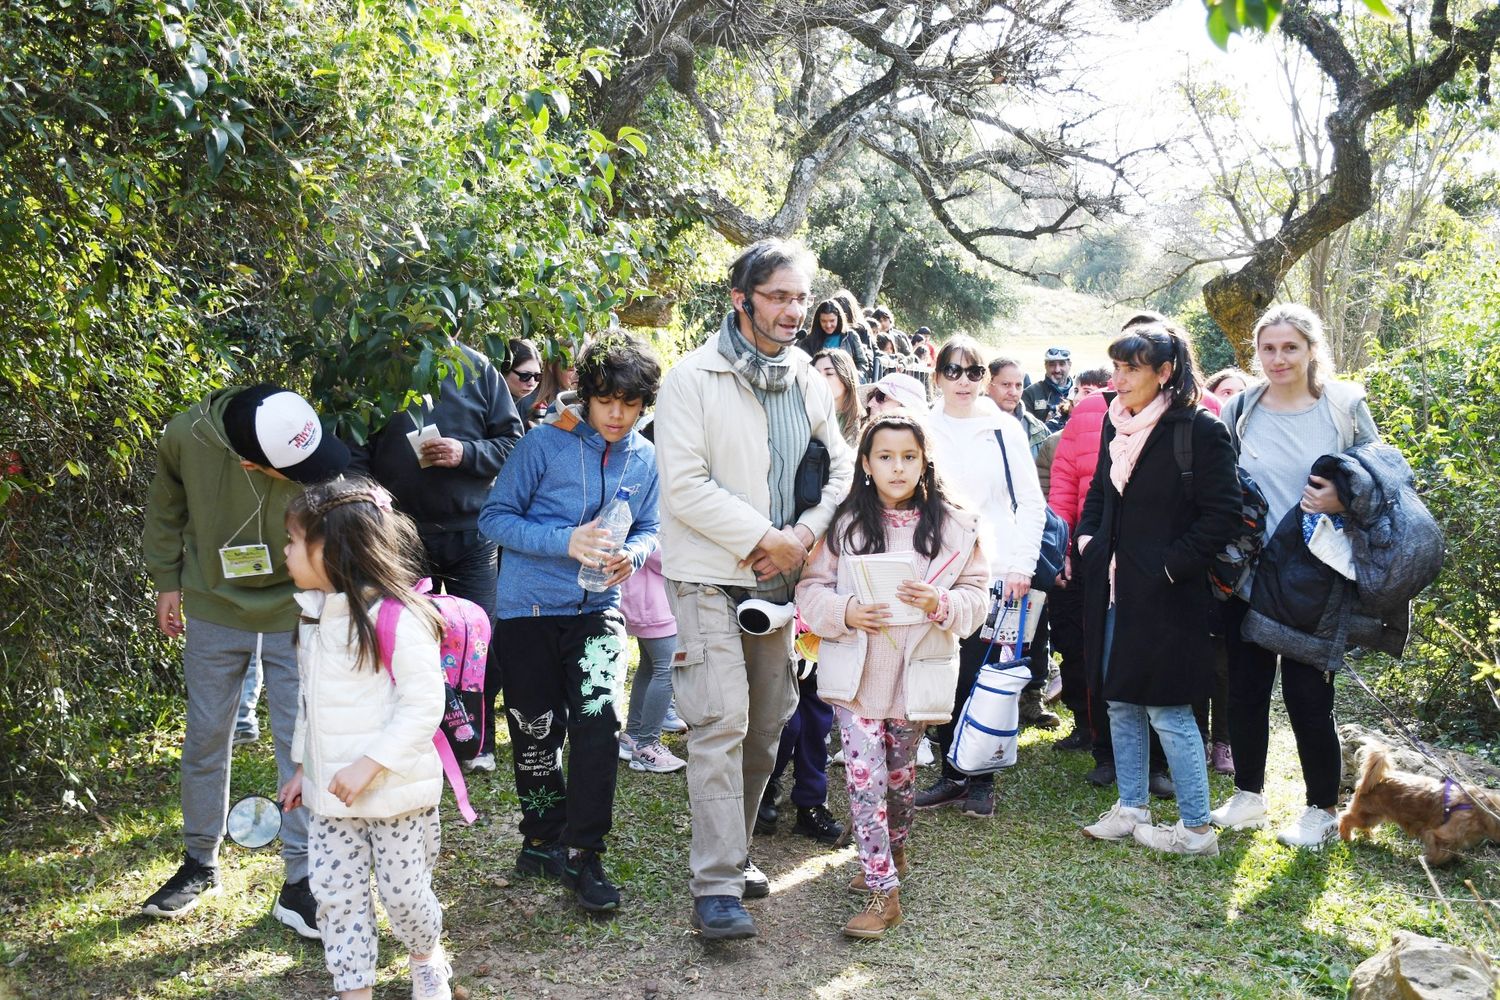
560, 476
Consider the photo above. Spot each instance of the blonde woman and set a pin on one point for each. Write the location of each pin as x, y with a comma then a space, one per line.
1280, 428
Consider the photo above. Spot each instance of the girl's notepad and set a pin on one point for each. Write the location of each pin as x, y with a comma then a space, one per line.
876, 578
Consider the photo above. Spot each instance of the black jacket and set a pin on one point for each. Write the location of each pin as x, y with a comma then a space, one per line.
482, 415
812, 343
1163, 543
1303, 609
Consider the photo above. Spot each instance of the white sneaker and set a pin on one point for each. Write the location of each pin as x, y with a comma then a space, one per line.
1314, 828
656, 758
1178, 839
925, 756
1243, 811
837, 758
1117, 824
673, 722
483, 762
429, 979
627, 747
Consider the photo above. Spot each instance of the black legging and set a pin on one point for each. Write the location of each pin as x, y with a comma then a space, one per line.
1308, 693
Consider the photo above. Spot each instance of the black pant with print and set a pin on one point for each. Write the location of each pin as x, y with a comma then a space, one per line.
562, 677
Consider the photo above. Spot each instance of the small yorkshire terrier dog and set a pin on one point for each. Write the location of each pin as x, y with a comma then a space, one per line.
1445, 816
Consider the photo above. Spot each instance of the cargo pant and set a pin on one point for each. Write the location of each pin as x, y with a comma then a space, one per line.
735, 691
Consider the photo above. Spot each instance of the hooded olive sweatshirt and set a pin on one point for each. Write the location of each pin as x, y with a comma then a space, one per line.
203, 499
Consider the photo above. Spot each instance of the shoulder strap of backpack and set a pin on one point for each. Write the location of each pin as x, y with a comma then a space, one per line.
1182, 447
385, 633
1005, 459
385, 641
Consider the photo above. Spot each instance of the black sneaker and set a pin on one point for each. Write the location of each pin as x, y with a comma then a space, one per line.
192, 882
818, 823
538, 857
1077, 740
721, 918
980, 802
1162, 786
942, 792
757, 886
1103, 775
767, 814
297, 908
591, 886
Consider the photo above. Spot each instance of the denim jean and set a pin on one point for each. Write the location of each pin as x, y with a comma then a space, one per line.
245, 722
651, 689
1130, 727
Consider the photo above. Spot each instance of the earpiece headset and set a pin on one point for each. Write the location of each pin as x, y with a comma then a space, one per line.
739, 278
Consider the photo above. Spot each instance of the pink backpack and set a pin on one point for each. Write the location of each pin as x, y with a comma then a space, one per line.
462, 652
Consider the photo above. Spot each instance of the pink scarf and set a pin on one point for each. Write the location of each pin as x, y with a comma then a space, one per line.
1130, 437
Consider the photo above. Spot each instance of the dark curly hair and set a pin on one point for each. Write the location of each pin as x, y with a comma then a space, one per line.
620, 364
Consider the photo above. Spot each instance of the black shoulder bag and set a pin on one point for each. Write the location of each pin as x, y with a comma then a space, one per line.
1049, 562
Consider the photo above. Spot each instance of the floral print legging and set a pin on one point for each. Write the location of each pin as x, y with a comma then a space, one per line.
880, 767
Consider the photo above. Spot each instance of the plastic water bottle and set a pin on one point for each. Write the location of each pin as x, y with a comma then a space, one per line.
616, 519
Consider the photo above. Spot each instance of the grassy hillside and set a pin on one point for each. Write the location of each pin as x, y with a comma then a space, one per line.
1047, 317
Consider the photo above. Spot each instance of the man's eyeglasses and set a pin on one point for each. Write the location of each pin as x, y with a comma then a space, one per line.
876, 396
975, 373
785, 298
527, 377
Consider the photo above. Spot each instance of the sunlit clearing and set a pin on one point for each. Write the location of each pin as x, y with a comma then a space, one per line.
811, 869
845, 984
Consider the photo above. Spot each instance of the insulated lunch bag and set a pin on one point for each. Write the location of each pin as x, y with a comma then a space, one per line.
984, 738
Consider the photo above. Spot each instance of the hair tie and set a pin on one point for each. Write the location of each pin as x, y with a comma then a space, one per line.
379, 496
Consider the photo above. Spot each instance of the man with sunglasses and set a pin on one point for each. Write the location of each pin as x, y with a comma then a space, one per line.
1043, 398
439, 460
734, 420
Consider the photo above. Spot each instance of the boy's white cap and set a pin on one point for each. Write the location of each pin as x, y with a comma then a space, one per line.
277, 428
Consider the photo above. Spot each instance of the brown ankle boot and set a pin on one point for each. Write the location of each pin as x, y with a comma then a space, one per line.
898, 855
881, 913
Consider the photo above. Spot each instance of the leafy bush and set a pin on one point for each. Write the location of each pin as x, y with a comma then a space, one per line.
1438, 400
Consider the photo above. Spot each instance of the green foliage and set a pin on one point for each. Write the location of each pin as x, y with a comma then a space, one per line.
1210, 347
1099, 261
1438, 400
867, 212
1231, 17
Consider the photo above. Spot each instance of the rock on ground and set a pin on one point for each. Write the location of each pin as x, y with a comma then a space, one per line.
1422, 968
1470, 769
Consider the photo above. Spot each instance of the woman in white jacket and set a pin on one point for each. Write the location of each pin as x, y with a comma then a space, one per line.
367, 769
965, 430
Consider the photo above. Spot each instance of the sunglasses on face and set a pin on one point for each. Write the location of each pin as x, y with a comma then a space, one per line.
527, 377
876, 396
975, 373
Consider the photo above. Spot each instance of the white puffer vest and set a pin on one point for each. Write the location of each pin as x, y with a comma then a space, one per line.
347, 711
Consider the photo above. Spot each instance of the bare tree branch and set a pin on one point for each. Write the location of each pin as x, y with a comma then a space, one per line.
1237, 298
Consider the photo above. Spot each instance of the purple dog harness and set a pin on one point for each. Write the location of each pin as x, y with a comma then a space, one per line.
1449, 808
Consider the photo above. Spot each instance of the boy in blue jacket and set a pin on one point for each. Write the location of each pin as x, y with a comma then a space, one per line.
565, 646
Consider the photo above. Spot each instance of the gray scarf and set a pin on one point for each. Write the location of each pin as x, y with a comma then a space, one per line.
765, 373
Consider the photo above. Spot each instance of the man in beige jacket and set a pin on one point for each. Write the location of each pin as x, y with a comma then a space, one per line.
734, 420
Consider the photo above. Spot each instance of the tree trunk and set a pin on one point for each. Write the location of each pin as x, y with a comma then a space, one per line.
881, 261
1236, 299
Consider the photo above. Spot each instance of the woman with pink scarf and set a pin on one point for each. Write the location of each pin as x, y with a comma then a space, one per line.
1146, 536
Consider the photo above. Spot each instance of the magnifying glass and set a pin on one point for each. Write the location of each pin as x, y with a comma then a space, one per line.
254, 821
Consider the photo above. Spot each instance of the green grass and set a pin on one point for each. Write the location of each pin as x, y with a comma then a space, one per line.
1057, 317
1018, 906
